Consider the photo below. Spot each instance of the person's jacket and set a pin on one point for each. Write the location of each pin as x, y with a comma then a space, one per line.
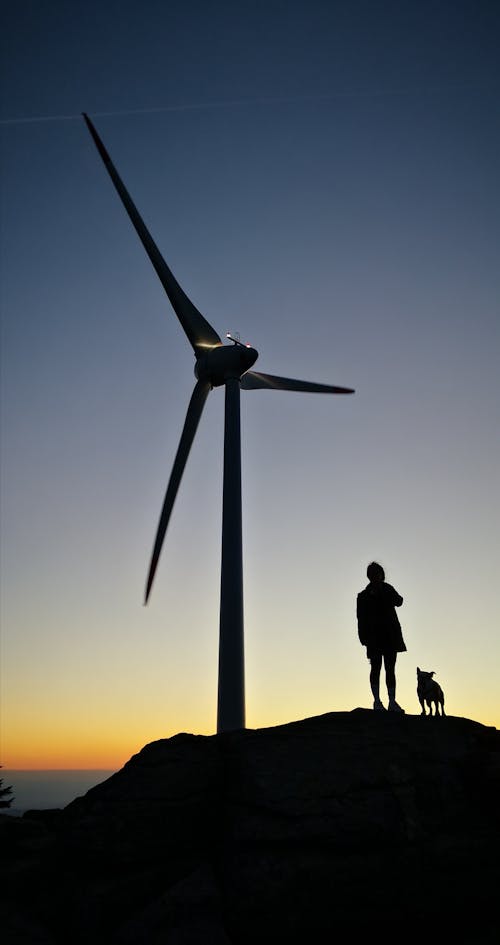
378, 625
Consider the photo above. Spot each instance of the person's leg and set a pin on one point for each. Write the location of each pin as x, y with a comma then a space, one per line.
390, 678
376, 665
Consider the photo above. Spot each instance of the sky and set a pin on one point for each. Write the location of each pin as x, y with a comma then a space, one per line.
321, 177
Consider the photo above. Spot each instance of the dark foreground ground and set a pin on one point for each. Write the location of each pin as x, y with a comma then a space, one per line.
356, 823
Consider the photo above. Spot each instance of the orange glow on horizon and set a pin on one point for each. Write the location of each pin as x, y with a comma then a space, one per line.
94, 752
75, 747
109, 751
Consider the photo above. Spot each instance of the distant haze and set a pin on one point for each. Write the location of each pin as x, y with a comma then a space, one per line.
39, 790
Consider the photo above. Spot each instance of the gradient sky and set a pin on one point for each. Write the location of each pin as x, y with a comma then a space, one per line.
323, 178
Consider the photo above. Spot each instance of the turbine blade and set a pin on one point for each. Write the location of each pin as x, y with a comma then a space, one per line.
200, 333
253, 380
194, 412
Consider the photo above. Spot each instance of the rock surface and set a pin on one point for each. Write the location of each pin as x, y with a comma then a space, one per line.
362, 822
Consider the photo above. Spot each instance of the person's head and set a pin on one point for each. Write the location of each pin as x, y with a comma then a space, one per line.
375, 573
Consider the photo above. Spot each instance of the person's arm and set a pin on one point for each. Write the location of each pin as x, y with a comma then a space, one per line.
360, 614
396, 598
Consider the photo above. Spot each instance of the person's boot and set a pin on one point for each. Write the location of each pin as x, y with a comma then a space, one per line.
393, 705
378, 706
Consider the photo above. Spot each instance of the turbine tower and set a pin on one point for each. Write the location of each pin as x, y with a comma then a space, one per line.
216, 365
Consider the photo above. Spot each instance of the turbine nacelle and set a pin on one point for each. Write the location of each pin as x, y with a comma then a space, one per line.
223, 362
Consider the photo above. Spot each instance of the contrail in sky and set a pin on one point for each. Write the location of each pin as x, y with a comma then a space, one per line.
234, 103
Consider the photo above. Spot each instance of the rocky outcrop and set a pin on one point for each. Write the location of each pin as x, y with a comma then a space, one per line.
363, 822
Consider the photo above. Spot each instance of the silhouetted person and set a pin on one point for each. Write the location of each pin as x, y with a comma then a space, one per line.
380, 631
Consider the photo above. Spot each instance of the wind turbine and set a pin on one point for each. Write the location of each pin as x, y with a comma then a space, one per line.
216, 365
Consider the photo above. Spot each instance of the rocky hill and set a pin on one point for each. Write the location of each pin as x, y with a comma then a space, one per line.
358, 823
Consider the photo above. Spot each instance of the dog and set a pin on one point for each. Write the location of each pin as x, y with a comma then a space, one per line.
430, 692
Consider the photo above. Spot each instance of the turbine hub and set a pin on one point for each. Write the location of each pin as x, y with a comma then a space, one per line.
223, 362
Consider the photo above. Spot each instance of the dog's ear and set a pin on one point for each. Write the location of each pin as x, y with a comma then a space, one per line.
418, 669
433, 673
